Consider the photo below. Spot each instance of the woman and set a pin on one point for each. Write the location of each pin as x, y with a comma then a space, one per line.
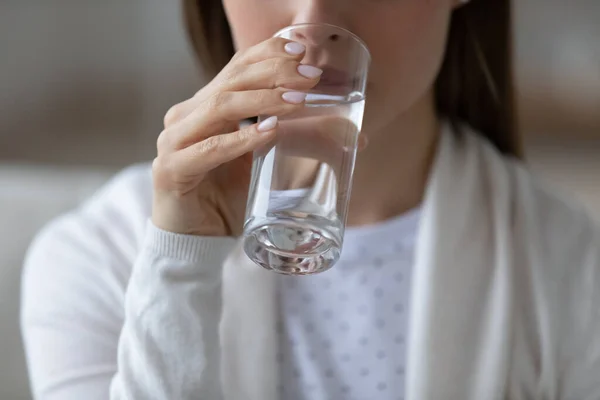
461, 278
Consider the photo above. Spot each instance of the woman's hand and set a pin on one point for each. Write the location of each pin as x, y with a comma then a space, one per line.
202, 170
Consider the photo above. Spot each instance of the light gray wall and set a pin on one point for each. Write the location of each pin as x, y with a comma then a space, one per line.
558, 66
86, 81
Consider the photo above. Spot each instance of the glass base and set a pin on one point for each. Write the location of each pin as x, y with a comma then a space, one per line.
291, 248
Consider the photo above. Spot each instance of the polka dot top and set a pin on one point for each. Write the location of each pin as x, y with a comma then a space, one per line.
343, 333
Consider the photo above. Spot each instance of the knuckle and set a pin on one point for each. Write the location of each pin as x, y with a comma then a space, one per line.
167, 173
157, 166
163, 170
164, 141
276, 44
173, 115
278, 65
284, 72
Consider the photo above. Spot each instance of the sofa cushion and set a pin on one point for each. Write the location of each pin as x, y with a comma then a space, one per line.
30, 196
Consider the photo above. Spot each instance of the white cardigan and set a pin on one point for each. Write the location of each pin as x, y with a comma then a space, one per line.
505, 297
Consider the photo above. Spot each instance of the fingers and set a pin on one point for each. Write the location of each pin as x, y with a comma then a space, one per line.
196, 160
267, 65
227, 108
270, 64
275, 49
363, 142
271, 48
272, 73
180, 111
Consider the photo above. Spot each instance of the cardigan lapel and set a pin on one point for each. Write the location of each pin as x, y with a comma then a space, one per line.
461, 300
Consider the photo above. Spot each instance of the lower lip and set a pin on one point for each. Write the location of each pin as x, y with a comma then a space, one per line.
332, 84
335, 89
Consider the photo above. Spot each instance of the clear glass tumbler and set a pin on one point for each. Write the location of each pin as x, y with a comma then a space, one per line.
300, 186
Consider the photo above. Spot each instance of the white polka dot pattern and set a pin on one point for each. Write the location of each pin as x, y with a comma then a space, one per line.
343, 332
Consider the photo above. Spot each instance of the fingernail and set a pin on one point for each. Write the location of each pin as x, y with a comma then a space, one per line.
309, 71
294, 97
267, 124
294, 48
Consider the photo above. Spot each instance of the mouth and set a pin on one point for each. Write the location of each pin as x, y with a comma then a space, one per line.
336, 79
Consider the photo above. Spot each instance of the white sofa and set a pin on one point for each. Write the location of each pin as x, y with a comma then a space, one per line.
29, 197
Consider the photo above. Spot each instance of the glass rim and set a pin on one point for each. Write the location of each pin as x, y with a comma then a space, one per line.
339, 28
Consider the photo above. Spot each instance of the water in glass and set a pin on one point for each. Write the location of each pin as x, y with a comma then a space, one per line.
300, 186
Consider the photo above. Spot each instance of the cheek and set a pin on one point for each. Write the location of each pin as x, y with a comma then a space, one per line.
407, 50
253, 21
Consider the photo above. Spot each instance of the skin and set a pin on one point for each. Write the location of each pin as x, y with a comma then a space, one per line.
201, 146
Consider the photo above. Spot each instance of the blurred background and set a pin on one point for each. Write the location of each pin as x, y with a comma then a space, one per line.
84, 86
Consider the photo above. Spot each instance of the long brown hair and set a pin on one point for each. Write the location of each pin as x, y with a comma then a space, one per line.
474, 86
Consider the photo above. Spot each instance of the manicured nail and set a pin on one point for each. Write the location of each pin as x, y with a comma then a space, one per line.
294, 97
267, 124
294, 48
309, 71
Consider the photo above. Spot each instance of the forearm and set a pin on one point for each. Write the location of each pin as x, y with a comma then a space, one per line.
169, 344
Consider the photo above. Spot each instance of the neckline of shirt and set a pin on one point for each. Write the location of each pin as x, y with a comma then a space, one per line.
393, 237
403, 223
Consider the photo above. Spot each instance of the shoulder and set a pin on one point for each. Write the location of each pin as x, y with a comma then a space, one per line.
555, 253
556, 239
563, 227
112, 220
88, 253
121, 206
129, 194
553, 236
115, 215
542, 210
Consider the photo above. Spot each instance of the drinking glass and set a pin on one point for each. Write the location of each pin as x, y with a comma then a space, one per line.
300, 184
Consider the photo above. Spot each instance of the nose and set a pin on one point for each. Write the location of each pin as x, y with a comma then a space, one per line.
314, 37
319, 11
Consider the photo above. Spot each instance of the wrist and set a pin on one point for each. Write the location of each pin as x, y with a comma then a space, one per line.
196, 221
209, 251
